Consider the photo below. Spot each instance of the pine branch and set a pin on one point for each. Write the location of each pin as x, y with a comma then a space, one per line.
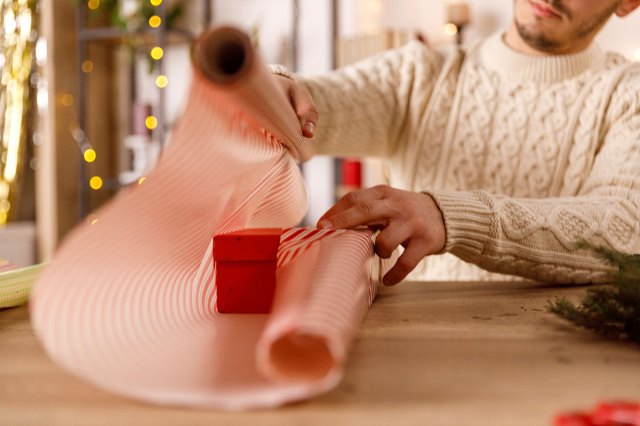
612, 311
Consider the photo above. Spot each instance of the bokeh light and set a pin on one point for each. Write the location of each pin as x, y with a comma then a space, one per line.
157, 53
89, 155
151, 122
451, 29
162, 81
87, 66
66, 99
155, 21
95, 183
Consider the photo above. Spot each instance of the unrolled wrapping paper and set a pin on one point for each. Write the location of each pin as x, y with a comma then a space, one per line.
128, 302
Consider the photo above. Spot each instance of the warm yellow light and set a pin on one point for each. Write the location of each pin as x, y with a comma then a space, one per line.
141, 180
9, 23
16, 55
13, 132
157, 53
66, 99
162, 81
87, 66
92, 219
156, 2
4, 189
25, 23
151, 122
95, 182
89, 155
155, 21
451, 29
93, 4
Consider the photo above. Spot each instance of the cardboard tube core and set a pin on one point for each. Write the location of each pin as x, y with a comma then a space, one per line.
225, 55
301, 357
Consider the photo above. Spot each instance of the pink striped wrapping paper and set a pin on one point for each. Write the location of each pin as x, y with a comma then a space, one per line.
128, 303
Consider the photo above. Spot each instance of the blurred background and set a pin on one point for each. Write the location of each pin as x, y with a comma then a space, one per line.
90, 90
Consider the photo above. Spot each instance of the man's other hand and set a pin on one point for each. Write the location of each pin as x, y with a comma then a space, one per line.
410, 219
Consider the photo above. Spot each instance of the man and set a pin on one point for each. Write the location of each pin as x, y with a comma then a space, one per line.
506, 155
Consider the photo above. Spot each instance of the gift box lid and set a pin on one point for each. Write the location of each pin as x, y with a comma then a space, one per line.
247, 245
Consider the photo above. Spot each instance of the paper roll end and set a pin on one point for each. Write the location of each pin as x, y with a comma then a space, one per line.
300, 357
224, 55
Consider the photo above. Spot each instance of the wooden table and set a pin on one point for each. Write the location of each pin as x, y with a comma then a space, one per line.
427, 354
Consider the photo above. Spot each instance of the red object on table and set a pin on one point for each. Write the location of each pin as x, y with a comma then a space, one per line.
245, 263
573, 419
618, 413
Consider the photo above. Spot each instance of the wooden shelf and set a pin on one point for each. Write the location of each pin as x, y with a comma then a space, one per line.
120, 35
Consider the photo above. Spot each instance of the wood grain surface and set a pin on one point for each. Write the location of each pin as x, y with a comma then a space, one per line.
426, 354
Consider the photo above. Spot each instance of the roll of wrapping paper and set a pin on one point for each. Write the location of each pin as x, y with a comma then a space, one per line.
128, 303
16, 285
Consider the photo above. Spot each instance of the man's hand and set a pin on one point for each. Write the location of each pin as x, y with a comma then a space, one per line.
410, 219
302, 104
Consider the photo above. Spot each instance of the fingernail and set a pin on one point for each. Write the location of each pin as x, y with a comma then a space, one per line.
324, 224
310, 127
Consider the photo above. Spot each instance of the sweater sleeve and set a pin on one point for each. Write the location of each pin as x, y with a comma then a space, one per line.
365, 108
536, 238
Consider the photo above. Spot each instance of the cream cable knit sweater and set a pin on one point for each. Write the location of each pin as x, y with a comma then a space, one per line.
523, 155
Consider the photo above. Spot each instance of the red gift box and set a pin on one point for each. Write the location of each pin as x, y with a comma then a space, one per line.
246, 270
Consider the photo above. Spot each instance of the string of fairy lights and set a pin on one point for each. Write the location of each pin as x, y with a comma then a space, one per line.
18, 43
16, 61
156, 53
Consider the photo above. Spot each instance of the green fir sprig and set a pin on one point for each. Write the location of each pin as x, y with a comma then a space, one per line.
613, 310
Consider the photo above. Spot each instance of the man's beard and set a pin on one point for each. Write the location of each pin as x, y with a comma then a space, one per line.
537, 41
545, 43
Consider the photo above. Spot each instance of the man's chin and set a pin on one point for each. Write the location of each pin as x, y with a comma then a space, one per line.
537, 37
